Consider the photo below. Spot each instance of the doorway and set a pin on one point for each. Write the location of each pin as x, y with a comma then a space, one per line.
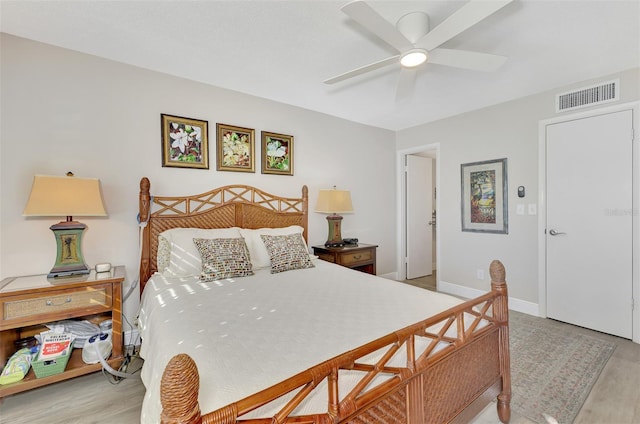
588, 228
418, 208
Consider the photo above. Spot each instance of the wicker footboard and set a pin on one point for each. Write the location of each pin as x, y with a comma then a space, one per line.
450, 379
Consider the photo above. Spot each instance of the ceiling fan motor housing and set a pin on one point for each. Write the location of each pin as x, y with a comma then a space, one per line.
413, 26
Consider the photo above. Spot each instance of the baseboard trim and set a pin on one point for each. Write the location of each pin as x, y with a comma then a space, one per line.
518, 305
389, 276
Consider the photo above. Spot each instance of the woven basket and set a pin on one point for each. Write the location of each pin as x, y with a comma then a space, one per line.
51, 366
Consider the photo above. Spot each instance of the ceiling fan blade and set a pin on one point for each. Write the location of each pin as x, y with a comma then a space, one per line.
466, 59
406, 83
362, 13
363, 69
468, 15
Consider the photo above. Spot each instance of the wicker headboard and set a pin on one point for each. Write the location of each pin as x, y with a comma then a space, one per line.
229, 206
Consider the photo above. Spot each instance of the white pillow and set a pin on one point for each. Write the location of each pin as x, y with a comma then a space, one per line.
258, 253
184, 258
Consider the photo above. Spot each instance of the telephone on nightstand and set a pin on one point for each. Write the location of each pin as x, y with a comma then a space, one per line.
348, 241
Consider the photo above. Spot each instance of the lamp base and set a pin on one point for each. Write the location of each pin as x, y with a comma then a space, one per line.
335, 233
69, 259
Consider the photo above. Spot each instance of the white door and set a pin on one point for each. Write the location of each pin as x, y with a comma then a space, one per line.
589, 218
419, 211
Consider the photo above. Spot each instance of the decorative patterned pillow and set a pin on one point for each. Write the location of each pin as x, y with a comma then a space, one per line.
257, 249
164, 253
223, 258
287, 252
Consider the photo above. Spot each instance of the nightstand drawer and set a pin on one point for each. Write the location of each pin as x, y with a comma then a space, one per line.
361, 257
356, 257
62, 301
328, 258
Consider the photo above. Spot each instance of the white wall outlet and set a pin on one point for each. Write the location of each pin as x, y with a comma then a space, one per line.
520, 209
533, 210
480, 274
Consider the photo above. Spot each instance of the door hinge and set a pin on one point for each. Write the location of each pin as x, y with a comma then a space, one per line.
633, 304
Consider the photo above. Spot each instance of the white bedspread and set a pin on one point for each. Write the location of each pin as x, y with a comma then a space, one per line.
246, 334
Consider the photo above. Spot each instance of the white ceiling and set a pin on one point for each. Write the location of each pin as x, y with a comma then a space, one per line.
283, 50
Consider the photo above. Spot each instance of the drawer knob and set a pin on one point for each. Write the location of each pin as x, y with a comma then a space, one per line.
357, 256
50, 302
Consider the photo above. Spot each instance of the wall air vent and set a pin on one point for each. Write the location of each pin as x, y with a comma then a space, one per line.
588, 96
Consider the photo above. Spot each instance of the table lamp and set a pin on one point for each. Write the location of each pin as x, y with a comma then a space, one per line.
334, 202
66, 196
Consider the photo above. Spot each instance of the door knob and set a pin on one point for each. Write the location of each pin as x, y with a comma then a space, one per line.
555, 233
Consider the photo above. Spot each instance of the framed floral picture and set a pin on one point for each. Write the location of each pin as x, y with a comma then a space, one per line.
185, 142
235, 148
484, 196
277, 153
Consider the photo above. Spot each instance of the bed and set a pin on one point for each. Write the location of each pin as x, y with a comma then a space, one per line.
310, 343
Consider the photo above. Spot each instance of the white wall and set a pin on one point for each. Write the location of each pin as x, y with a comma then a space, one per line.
506, 130
63, 110
66, 111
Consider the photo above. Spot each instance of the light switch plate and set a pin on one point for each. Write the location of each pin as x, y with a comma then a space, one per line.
533, 210
520, 209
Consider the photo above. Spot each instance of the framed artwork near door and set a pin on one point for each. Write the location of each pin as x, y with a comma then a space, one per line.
484, 196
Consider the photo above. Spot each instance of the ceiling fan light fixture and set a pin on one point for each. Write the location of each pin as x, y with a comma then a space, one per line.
413, 58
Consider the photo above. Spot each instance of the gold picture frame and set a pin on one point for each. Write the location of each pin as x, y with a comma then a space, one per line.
277, 153
235, 148
185, 142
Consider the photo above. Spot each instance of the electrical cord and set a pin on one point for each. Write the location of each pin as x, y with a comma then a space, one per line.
105, 366
128, 360
116, 376
141, 226
131, 342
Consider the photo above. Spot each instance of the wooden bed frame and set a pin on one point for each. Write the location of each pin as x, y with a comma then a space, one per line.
438, 384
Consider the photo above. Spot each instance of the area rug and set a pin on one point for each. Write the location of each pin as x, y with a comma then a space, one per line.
553, 367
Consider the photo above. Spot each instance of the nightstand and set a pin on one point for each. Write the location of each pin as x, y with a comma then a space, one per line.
28, 302
361, 257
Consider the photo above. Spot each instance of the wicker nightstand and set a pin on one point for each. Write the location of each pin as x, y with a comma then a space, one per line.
26, 303
357, 256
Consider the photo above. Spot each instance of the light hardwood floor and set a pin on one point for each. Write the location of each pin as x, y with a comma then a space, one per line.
614, 399
92, 399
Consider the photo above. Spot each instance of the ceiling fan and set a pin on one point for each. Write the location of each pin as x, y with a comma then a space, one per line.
416, 44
